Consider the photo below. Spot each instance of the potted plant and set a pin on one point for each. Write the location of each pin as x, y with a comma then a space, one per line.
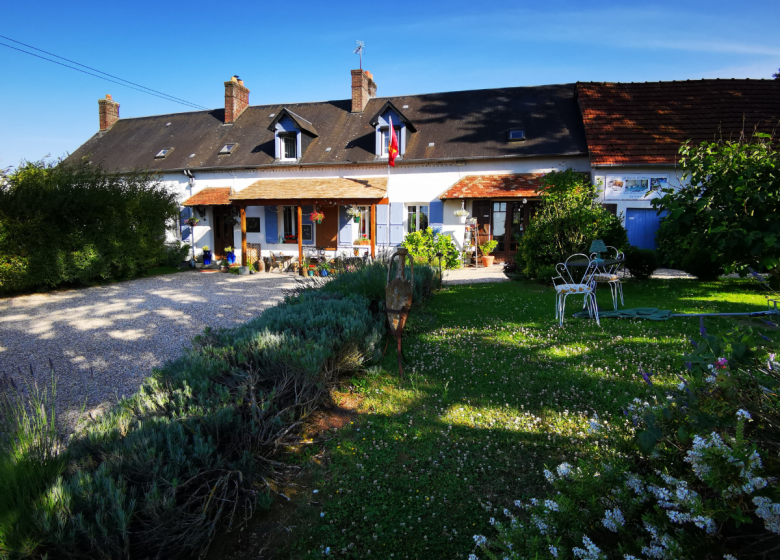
312, 271
206, 255
323, 266
231, 256
354, 212
462, 213
317, 216
198, 263
223, 264
290, 239
487, 248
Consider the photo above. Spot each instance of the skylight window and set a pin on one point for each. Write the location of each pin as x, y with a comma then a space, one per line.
516, 135
227, 149
162, 153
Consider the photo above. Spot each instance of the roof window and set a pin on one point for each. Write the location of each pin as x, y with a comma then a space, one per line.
162, 153
516, 135
227, 149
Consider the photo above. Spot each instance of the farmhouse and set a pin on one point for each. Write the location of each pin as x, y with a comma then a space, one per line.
254, 174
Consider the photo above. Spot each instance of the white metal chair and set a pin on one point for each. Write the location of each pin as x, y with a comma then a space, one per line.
565, 286
609, 275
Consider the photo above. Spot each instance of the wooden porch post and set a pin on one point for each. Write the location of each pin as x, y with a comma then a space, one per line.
373, 231
300, 241
243, 236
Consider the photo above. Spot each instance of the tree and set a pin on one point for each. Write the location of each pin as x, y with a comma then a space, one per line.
568, 220
776, 75
728, 212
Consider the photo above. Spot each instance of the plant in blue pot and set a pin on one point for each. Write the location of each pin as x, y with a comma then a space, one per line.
323, 269
206, 255
231, 256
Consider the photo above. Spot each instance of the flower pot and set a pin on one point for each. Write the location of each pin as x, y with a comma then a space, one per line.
488, 260
231, 258
311, 273
207, 258
357, 219
323, 272
463, 219
198, 265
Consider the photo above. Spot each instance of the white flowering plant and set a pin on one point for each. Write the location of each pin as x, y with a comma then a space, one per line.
707, 487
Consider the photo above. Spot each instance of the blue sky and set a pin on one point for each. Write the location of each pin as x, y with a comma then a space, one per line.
302, 51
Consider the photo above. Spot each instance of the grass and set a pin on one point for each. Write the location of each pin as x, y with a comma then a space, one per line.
158, 270
495, 391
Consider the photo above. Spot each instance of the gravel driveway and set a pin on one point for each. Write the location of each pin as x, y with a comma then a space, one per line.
104, 341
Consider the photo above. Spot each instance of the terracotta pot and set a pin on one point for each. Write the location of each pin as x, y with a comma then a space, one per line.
488, 260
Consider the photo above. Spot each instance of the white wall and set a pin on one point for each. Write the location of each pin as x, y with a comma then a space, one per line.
408, 184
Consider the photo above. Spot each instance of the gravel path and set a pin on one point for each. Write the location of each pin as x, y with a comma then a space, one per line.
104, 341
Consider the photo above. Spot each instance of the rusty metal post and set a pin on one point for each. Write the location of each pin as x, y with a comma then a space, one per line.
398, 297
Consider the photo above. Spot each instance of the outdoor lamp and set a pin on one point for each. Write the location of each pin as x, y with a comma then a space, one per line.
598, 247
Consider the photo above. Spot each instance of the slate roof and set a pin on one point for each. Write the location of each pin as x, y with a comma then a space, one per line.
495, 186
461, 124
635, 123
209, 196
306, 189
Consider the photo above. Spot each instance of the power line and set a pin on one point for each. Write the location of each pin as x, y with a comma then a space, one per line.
121, 81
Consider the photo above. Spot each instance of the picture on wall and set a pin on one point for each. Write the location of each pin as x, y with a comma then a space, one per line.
306, 231
633, 187
253, 225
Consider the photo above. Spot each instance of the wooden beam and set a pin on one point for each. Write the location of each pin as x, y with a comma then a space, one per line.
300, 241
243, 235
307, 201
373, 231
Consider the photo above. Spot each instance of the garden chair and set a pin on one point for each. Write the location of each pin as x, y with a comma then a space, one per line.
565, 286
275, 264
609, 275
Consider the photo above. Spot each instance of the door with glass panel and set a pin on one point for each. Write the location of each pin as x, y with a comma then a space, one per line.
508, 220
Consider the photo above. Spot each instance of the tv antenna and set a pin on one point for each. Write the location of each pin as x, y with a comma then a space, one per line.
361, 46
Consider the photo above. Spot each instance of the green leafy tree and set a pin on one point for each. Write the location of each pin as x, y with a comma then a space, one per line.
63, 223
727, 214
567, 222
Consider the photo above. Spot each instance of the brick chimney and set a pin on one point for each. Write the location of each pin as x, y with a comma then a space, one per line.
109, 112
236, 99
363, 89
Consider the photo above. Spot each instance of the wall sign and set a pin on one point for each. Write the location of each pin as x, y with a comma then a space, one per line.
306, 232
253, 225
634, 187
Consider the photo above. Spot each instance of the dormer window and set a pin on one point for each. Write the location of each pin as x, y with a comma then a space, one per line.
227, 149
288, 146
385, 132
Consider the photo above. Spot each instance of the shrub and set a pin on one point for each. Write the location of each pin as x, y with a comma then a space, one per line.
545, 274
63, 223
704, 485
641, 263
195, 449
727, 212
701, 266
425, 245
175, 253
568, 220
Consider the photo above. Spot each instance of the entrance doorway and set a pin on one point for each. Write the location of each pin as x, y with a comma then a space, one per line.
223, 230
507, 221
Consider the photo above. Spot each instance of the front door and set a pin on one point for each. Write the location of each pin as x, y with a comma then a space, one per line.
509, 220
223, 230
328, 230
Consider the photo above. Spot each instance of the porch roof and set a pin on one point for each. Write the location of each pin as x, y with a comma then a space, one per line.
342, 189
209, 196
495, 186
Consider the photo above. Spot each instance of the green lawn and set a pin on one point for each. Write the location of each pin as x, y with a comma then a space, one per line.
495, 391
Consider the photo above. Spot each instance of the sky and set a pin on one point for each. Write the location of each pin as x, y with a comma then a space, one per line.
303, 51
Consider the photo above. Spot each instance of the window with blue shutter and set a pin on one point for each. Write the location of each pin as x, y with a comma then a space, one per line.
382, 223
345, 227
271, 225
396, 223
437, 214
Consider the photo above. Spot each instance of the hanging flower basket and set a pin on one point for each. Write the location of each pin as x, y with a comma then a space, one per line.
317, 217
192, 222
354, 212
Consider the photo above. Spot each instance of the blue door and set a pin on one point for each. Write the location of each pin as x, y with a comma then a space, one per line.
642, 223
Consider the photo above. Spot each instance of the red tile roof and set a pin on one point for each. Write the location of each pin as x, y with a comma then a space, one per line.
209, 196
647, 122
495, 186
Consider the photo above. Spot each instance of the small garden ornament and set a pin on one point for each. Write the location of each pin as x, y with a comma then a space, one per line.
206, 255
398, 298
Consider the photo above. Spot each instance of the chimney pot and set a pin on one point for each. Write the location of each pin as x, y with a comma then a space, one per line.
363, 89
108, 111
236, 99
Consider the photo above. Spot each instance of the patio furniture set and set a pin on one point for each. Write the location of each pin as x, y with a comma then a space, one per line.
597, 270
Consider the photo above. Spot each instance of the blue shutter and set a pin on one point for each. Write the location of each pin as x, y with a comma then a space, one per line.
381, 224
305, 219
396, 223
345, 228
436, 215
271, 225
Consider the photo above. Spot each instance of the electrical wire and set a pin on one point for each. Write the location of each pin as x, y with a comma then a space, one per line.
117, 80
